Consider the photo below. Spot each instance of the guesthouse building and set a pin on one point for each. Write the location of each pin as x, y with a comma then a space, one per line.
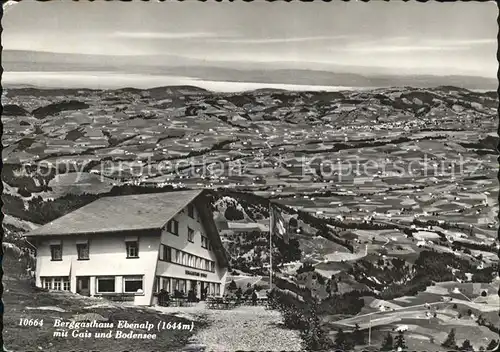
132, 247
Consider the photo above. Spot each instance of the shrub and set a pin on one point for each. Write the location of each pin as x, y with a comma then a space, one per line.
232, 286
450, 341
313, 336
293, 318
232, 213
342, 341
387, 345
400, 342
466, 346
492, 345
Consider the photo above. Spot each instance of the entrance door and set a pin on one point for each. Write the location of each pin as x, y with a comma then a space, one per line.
194, 289
83, 285
202, 291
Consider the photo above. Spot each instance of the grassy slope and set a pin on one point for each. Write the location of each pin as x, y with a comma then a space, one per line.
19, 295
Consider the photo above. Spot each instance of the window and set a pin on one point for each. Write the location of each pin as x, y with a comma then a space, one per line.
182, 285
190, 235
191, 211
173, 227
131, 284
204, 242
56, 283
176, 256
132, 249
56, 251
165, 253
105, 284
166, 284
168, 254
66, 284
83, 251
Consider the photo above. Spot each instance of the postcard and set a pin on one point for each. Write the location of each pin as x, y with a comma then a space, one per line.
250, 176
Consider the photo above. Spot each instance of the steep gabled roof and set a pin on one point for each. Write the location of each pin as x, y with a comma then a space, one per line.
134, 213
121, 213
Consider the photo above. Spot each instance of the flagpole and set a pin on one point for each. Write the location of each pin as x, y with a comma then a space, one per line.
271, 221
370, 332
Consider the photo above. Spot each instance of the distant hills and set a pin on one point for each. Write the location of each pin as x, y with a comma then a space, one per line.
169, 65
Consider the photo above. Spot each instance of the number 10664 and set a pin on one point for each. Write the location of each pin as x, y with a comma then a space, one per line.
30, 322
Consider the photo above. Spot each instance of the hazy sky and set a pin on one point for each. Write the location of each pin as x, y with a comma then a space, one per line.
425, 38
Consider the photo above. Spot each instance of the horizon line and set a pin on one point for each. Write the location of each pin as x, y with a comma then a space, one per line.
27, 86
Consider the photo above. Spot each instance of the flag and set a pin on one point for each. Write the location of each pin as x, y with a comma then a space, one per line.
278, 224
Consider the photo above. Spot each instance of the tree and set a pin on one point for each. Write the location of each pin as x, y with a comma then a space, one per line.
358, 336
387, 344
321, 279
232, 213
450, 340
480, 320
492, 345
232, 286
466, 346
400, 342
328, 288
313, 336
239, 293
341, 341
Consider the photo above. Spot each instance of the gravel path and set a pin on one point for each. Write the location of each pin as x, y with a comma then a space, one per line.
243, 328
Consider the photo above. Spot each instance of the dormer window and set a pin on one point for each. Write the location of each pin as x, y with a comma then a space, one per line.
191, 210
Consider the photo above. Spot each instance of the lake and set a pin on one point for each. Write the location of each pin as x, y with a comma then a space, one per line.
114, 80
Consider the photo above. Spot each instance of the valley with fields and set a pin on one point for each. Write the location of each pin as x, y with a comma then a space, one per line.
390, 195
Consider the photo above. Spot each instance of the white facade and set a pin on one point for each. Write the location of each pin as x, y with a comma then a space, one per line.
108, 266
189, 261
